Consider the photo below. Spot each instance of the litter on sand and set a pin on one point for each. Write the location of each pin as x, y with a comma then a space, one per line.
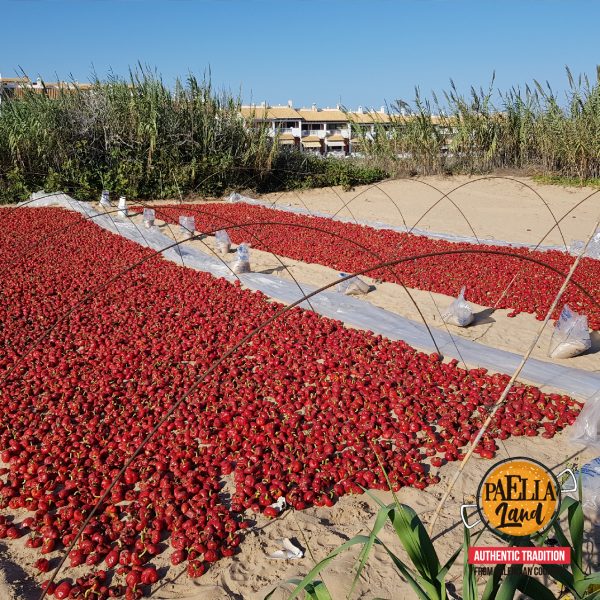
287, 552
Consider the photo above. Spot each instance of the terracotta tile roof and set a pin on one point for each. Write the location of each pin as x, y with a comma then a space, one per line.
330, 115
14, 80
270, 112
323, 115
369, 117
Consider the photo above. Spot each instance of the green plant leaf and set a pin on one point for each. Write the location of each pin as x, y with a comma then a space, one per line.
560, 574
560, 536
309, 579
373, 496
493, 584
582, 585
576, 530
565, 504
318, 591
441, 576
469, 591
382, 516
508, 587
410, 578
314, 591
534, 589
593, 579
416, 541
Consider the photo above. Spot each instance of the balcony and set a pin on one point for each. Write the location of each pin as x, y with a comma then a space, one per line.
343, 132
318, 132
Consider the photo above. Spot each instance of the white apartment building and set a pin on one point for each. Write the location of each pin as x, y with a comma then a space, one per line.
324, 131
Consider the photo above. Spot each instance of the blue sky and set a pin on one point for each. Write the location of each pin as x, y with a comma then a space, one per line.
325, 51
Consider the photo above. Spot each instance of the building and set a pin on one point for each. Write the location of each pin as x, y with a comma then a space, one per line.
323, 131
17, 87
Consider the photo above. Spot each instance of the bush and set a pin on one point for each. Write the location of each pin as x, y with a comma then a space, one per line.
298, 170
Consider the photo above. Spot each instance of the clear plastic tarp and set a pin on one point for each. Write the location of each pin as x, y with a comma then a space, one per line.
352, 311
593, 248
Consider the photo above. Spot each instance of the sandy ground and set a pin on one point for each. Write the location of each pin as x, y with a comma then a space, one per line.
251, 574
499, 209
318, 531
514, 209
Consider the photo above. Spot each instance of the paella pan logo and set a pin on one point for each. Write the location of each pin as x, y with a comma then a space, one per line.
518, 497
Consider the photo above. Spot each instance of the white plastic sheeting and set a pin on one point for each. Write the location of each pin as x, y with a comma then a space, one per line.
593, 249
575, 382
449, 237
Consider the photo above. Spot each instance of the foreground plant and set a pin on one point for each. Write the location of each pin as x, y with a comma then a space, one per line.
426, 576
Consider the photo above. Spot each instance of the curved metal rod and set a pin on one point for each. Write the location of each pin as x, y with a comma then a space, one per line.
200, 211
144, 204
342, 237
447, 195
299, 197
230, 352
489, 177
516, 275
412, 300
565, 215
6, 212
377, 185
367, 270
347, 208
253, 235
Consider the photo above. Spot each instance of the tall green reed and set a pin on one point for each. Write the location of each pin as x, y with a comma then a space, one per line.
533, 130
133, 136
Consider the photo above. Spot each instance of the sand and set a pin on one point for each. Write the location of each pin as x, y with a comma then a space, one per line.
320, 530
491, 207
513, 209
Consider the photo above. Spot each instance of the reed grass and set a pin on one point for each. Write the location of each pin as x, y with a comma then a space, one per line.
534, 130
139, 138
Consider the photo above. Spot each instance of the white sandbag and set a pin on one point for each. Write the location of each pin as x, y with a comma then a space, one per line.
571, 335
242, 262
105, 198
589, 478
149, 216
353, 311
586, 429
234, 197
459, 313
223, 241
123, 206
353, 286
187, 226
